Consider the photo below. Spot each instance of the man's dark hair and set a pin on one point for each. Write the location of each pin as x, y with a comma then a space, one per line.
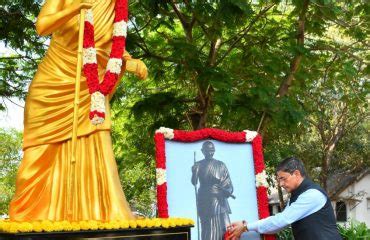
291, 164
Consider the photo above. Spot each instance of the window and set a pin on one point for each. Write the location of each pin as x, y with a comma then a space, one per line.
368, 204
341, 211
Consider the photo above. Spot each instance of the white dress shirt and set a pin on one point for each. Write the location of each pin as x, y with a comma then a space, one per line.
306, 204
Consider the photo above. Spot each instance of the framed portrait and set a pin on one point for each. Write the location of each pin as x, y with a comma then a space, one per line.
212, 176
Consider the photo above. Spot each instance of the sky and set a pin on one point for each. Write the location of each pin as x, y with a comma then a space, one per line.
12, 117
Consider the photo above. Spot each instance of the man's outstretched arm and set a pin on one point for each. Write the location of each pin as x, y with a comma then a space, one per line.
306, 204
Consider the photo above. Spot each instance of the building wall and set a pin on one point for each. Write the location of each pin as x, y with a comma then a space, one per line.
359, 211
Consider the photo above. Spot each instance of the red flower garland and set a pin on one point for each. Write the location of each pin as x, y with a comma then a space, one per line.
217, 134
161, 163
90, 67
259, 166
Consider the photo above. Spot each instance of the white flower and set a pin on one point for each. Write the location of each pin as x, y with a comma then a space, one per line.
89, 55
161, 175
89, 16
97, 104
250, 135
97, 120
120, 29
114, 65
261, 179
167, 132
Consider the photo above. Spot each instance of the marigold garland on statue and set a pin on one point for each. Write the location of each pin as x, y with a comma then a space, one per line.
98, 90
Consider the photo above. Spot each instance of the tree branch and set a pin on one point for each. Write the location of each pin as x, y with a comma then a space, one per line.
244, 32
215, 45
287, 82
283, 89
186, 26
344, 49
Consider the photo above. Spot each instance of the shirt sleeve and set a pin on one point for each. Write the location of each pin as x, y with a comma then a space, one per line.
307, 203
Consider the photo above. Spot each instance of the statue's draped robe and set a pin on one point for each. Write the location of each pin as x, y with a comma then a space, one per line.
43, 184
215, 187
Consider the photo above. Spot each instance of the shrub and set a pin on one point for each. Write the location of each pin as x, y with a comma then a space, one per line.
349, 231
354, 231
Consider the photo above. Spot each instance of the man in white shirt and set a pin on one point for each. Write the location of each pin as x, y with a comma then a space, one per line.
309, 210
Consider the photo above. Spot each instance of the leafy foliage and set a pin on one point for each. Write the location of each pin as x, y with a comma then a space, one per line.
285, 234
209, 68
354, 231
10, 156
23, 48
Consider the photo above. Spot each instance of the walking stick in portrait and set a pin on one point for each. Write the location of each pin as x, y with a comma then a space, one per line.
196, 199
71, 180
228, 223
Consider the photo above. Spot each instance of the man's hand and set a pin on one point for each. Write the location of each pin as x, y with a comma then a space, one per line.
236, 230
137, 67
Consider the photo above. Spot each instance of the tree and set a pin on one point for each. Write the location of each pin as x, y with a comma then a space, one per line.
10, 156
24, 48
212, 69
336, 110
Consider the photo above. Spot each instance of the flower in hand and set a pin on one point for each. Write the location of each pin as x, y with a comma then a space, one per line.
236, 230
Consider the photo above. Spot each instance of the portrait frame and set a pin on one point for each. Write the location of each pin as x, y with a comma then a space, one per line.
183, 136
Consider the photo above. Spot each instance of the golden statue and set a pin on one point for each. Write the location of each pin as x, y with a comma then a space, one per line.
42, 191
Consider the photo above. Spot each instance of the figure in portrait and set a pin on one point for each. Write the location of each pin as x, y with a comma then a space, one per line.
42, 191
215, 187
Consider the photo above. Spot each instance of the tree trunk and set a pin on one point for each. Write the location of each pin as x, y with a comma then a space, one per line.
294, 65
324, 170
199, 116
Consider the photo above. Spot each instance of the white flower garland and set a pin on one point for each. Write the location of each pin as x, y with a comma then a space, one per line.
89, 55
89, 17
261, 179
167, 132
97, 104
161, 176
99, 90
114, 65
250, 135
120, 29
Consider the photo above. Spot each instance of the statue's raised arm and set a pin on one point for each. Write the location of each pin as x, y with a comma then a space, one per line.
55, 13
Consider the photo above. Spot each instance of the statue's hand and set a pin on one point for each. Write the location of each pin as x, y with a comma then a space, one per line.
84, 4
137, 67
216, 189
195, 168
